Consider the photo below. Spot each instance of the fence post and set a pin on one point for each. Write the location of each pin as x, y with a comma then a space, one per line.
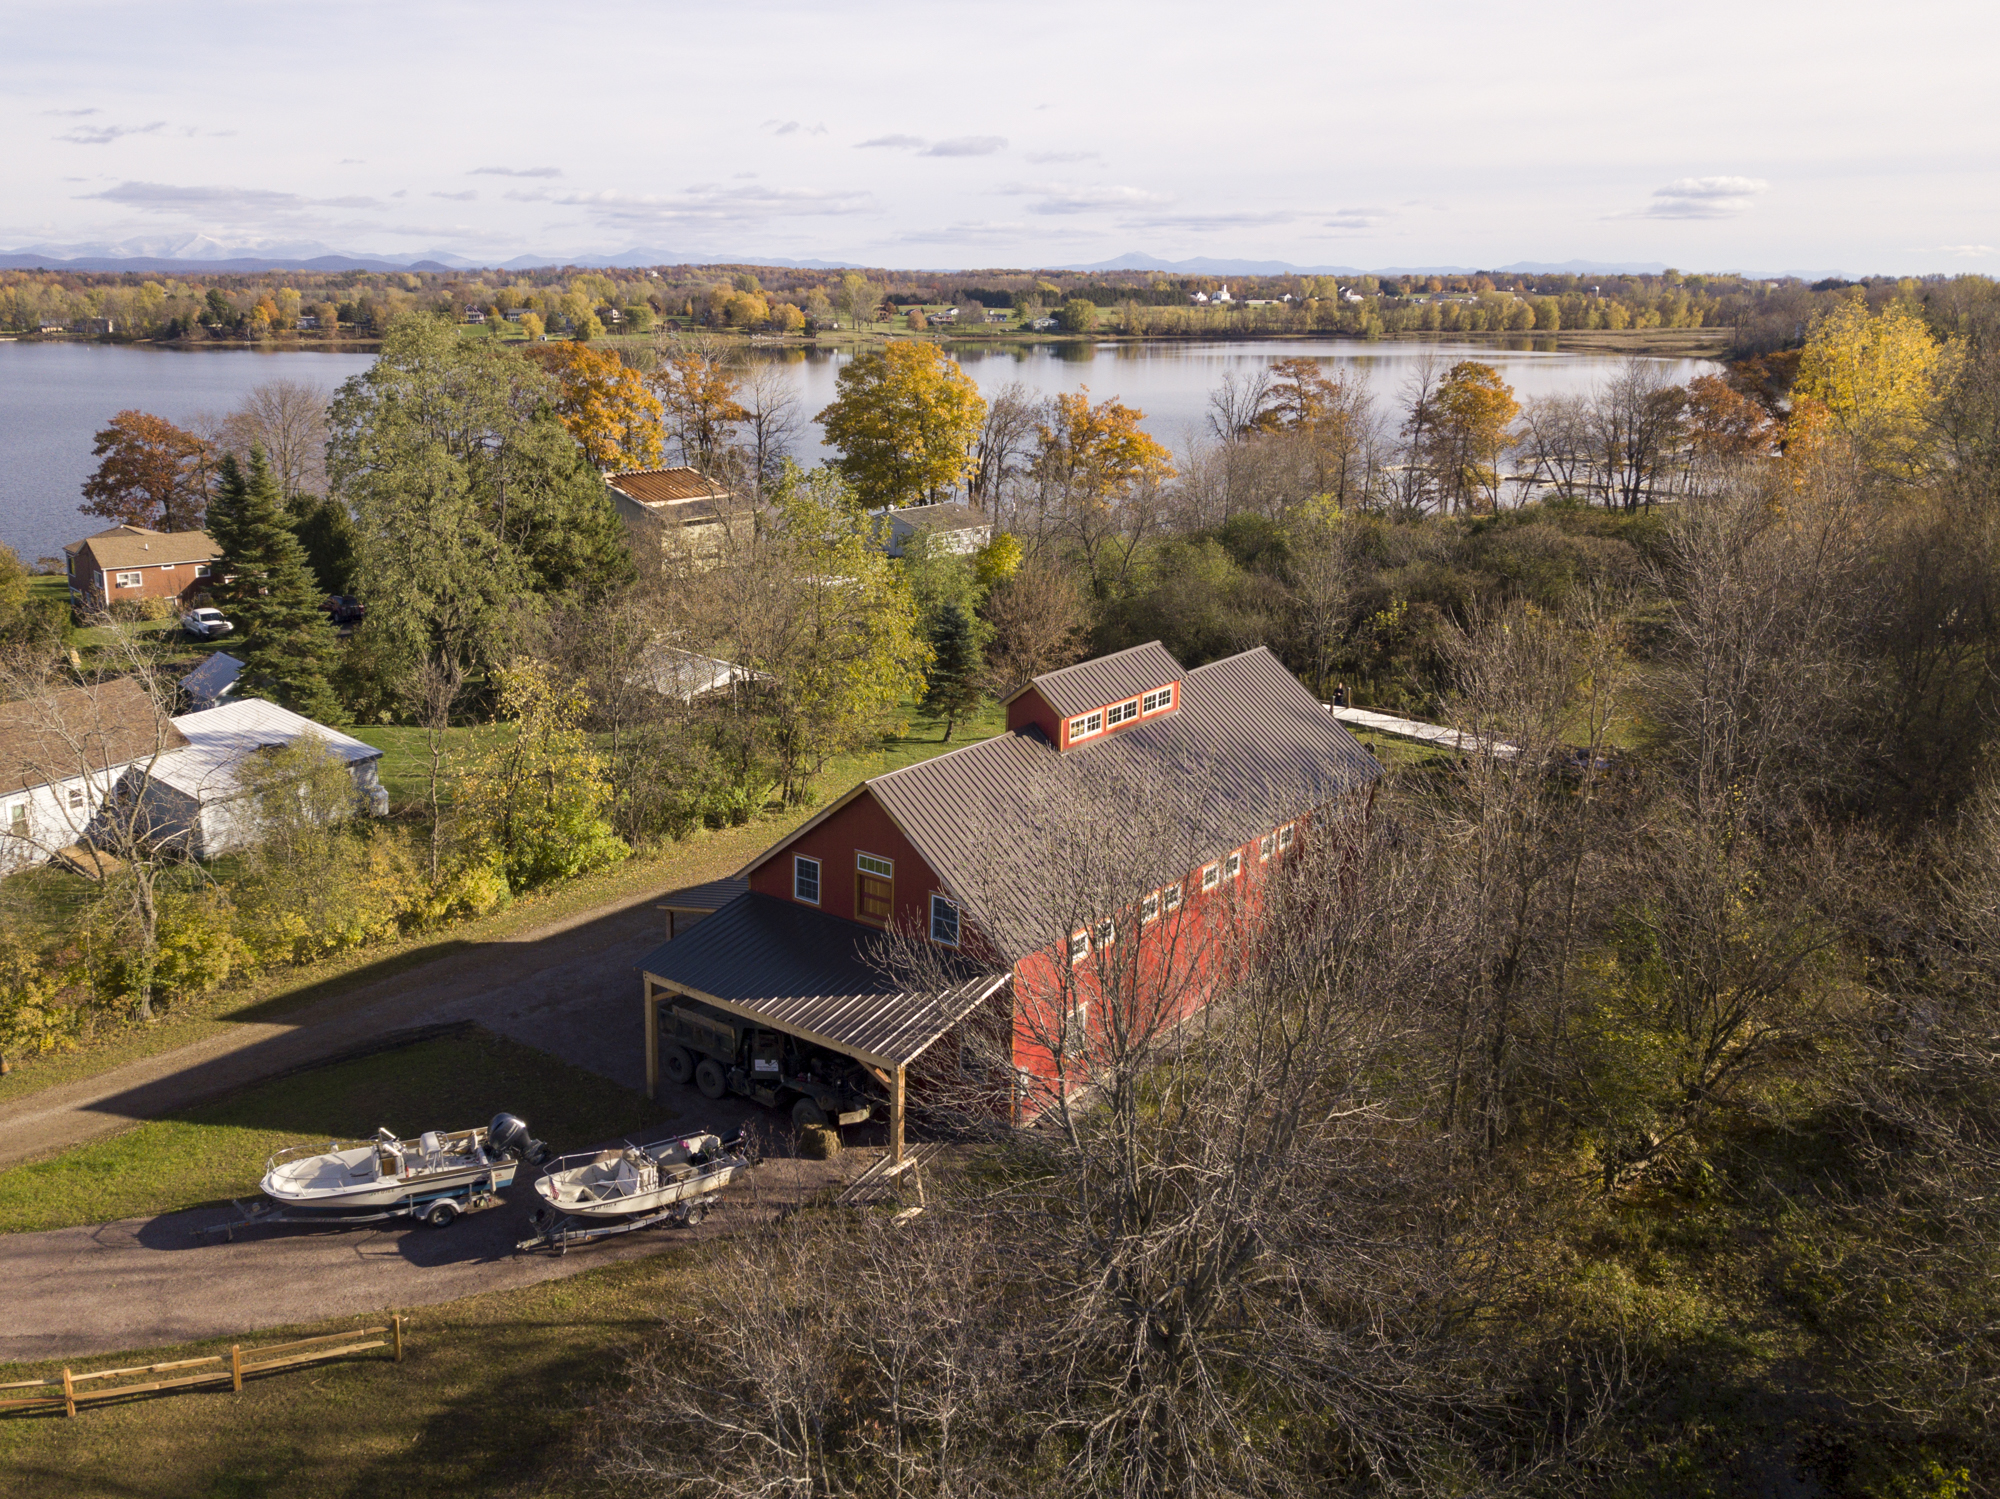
69, 1393
397, 1323
236, 1367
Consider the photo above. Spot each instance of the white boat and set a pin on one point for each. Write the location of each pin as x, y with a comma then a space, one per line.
387, 1176
635, 1181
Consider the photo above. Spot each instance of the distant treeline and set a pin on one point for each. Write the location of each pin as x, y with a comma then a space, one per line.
1766, 315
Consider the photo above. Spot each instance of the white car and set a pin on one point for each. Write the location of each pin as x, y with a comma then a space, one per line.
206, 624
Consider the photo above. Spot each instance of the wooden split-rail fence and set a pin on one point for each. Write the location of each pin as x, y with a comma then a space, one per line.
68, 1393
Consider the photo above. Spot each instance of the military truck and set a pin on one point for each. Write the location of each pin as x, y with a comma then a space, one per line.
721, 1053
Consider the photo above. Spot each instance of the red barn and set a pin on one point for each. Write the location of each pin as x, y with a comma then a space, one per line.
975, 858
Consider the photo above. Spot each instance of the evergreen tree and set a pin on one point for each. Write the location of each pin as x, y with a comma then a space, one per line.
287, 642
952, 692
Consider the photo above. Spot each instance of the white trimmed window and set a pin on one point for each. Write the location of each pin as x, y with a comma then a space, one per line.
1119, 713
1173, 898
1233, 866
1285, 836
17, 819
1107, 933
1211, 876
76, 798
127, 580
1076, 1029
201, 569
1086, 727
876, 865
1265, 845
1079, 946
1149, 908
1158, 701
944, 921
805, 879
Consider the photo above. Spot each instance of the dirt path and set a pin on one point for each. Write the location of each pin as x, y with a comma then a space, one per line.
570, 987
150, 1282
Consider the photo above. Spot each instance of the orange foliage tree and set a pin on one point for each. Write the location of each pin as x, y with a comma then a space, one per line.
150, 473
604, 405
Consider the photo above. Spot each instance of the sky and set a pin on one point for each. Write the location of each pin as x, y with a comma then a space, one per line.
1749, 135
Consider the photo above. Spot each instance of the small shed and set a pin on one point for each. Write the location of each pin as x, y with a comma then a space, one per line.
197, 795
212, 681
958, 528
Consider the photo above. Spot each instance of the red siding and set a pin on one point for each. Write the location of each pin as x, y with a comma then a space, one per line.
156, 580
1029, 708
860, 826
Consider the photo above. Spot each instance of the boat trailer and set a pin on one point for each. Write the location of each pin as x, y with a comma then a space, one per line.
560, 1233
439, 1209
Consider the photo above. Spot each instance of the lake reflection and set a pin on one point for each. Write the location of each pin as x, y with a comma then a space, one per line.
54, 397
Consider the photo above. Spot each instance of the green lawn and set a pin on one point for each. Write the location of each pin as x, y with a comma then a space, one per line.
217, 1152
494, 1396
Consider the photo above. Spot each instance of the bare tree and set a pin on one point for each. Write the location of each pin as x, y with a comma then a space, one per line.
1558, 441
1237, 402
430, 693
287, 418
772, 418
1637, 423
1005, 442
1040, 620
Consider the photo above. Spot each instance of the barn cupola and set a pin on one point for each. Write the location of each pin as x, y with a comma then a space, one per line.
1086, 702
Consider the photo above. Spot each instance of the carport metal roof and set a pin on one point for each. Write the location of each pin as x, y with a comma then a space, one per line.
803, 971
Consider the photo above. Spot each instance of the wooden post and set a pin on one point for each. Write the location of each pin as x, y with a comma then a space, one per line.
69, 1393
396, 1323
652, 1042
236, 1367
896, 1119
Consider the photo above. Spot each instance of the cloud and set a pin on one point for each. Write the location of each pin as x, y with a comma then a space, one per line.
1968, 251
1056, 158
355, 202
893, 143
72, 114
969, 145
709, 204
353, 161
104, 135
515, 172
971, 229
1199, 221
1351, 220
1064, 198
1700, 198
465, 197
792, 127
218, 203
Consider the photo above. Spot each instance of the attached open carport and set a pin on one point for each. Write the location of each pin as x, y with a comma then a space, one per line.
797, 970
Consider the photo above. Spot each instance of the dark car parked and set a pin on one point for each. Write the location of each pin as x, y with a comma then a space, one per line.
344, 610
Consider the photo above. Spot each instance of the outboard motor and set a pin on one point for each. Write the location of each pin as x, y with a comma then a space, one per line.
508, 1135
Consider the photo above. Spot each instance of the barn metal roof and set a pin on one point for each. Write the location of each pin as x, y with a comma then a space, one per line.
666, 486
808, 973
711, 896
1107, 679
1249, 748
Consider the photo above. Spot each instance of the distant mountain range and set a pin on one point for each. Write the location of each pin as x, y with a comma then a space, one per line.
197, 253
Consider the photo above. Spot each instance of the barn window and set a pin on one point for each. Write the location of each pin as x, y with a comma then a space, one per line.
1149, 908
1157, 702
1285, 836
1079, 946
944, 921
1119, 713
1107, 933
1211, 876
1173, 895
1264, 846
805, 879
1089, 725
1233, 866
1076, 1029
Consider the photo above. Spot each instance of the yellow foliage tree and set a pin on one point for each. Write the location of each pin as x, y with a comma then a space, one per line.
1877, 379
1470, 418
604, 405
905, 422
1090, 452
697, 388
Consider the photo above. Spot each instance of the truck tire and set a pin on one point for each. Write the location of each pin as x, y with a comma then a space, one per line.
806, 1113
709, 1079
680, 1064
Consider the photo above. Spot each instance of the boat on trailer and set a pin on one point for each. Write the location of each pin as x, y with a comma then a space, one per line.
436, 1176
598, 1193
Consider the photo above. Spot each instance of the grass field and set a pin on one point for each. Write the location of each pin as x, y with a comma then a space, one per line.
493, 1397
217, 1152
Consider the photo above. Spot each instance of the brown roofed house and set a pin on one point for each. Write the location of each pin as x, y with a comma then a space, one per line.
128, 564
676, 505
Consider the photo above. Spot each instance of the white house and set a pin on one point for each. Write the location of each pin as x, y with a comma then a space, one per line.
60, 756
196, 795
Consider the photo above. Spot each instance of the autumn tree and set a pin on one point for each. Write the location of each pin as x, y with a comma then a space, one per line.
288, 643
1091, 461
698, 389
604, 404
1878, 377
149, 473
1470, 417
905, 422
1725, 425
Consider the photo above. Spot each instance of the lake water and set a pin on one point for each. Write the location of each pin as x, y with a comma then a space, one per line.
54, 397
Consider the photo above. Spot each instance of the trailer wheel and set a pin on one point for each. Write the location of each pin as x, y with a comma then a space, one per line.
441, 1213
806, 1114
695, 1214
709, 1079
680, 1064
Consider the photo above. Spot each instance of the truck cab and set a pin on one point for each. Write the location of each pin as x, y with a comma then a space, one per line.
721, 1053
